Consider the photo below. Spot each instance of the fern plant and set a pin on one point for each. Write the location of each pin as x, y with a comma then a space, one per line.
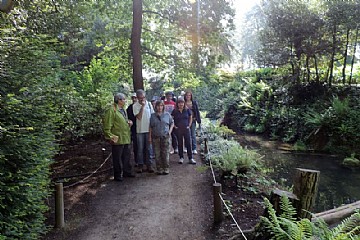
286, 227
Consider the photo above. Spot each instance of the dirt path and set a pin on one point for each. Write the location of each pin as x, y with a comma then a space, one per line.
175, 206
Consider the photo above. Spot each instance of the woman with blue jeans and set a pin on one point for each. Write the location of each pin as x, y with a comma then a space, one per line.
193, 106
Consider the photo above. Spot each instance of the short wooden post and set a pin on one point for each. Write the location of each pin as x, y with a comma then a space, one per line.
59, 206
306, 183
218, 206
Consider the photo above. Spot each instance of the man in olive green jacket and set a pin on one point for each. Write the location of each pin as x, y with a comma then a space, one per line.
117, 130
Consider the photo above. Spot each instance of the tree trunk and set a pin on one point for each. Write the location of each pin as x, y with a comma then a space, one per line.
354, 52
138, 81
316, 69
195, 35
306, 183
307, 69
345, 56
332, 56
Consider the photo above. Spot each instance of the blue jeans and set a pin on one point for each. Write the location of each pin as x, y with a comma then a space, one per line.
143, 153
193, 135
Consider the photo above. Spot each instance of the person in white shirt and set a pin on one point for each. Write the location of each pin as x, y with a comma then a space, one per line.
143, 110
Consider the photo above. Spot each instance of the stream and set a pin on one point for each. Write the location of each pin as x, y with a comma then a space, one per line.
338, 185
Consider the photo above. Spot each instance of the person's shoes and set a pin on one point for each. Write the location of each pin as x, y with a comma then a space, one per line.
176, 151
172, 152
194, 151
192, 161
118, 179
166, 171
159, 171
185, 150
181, 160
150, 169
130, 175
139, 169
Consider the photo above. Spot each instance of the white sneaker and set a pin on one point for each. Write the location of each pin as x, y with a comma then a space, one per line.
181, 160
194, 152
185, 150
176, 151
192, 161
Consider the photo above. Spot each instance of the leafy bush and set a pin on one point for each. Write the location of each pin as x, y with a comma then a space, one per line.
285, 226
351, 161
228, 155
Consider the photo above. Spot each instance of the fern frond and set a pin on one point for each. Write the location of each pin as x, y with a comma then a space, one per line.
288, 211
347, 225
271, 212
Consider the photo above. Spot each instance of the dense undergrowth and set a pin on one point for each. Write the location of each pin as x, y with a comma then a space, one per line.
311, 116
230, 160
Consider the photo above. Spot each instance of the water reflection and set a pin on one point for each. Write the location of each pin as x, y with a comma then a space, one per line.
338, 185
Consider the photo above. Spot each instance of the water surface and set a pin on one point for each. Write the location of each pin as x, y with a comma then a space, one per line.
338, 185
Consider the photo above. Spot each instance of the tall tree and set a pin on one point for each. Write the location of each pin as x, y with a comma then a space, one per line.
136, 45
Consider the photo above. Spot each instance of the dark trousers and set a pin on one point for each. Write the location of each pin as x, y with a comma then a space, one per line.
174, 142
134, 146
121, 160
183, 135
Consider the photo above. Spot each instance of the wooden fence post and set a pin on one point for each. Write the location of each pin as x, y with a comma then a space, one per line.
59, 206
206, 146
306, 183
218, 206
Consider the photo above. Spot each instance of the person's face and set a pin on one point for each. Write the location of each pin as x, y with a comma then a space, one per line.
141, 98
134, 99
160, 108
188, 96
122, 102
168, 97
181, 105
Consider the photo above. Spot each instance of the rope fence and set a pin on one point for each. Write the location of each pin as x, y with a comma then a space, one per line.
217, 193
59, 194
92, 173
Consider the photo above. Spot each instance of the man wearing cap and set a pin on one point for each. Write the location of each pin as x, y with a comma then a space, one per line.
132, 117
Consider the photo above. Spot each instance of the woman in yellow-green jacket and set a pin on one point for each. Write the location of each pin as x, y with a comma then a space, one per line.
117, 130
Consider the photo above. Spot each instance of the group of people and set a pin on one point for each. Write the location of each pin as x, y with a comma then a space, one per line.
150, 127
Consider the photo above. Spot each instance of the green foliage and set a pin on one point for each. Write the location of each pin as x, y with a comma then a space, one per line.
351, 161
299, 146
228, 155
285, 226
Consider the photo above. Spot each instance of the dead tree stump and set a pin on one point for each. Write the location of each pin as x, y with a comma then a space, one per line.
306, 183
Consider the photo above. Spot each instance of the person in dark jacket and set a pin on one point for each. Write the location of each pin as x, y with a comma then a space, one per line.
132, 117
193, 106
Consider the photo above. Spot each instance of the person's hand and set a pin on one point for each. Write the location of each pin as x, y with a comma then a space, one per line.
130, 123
114, 139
